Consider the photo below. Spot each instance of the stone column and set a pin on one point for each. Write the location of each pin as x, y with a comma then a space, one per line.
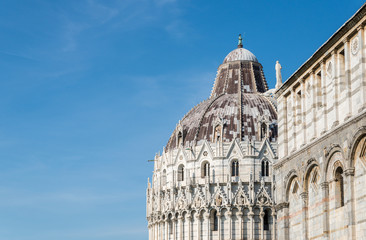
325, 196
166, 229
294, 117
174, 220
314, 103
304, 213
273, 224
287, 222
161, 229
285, 124
149, 227
219, 224
362, 68
153, 230
207, 217
303, 111
157, 230
261, 216
324, 96
282, 221
349, 201
335, 74
251, 218
189, 218
347, 78
241, 220
180, 221
229, 215
198, 218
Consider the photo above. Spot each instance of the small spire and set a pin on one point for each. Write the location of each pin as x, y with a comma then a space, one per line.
240, 42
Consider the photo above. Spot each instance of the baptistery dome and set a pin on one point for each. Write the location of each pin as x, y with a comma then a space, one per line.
214, 178
240, 54
237, 102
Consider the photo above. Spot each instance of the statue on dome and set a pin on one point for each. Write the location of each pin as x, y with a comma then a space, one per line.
240, 42
278, 75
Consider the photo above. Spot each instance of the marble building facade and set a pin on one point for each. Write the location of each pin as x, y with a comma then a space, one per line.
257, 163
320, 173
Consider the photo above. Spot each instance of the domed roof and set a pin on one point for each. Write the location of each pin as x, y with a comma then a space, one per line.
241, 54
238, 105
199, 124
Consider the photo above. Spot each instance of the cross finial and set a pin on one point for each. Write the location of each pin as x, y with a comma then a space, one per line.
240, 42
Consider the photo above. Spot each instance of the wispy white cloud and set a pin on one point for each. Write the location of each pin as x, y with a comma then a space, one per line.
177, 29
95, 14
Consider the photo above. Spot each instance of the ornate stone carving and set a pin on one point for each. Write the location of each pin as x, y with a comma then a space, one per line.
355, 45
218, 200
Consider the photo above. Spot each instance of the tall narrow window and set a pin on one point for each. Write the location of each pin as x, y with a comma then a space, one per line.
339, 188
180, 139
163, 178
263, 130
319, 87
266, 220
217, 135
181, 173
342, 66
265, 168
235, 168
214, 221
205, 170
298, 107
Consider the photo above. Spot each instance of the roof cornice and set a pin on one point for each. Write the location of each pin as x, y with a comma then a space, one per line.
338, 35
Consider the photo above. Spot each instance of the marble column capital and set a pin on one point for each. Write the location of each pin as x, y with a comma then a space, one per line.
304, 195
346, 40
324, 185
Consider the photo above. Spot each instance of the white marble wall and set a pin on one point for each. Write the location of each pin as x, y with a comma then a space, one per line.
322, 126
236, 220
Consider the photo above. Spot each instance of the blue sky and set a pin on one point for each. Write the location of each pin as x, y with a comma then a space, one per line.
90, 90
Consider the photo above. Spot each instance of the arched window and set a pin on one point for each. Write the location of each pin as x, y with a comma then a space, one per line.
181, 173
266, 220
217, 135
170, 227
205, 170
263, 130
265, 168
163, 178
339, 191
295, 189
314, 180
214, 221
235, 168
180, 139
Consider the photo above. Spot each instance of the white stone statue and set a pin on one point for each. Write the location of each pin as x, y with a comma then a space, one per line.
278, 75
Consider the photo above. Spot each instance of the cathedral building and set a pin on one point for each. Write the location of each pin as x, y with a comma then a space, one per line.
257, 163
320, 171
